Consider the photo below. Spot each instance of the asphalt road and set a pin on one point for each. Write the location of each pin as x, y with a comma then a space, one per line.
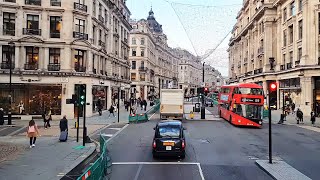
215, 149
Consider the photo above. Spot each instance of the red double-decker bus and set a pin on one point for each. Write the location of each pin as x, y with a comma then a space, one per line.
241, 104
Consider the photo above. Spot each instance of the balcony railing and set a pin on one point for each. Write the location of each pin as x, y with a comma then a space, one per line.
12, 1
260, 51
289, 65
54, 67
297, 62
143, 69
79, 35
33, 2
55, 3
80, 7
31, 66
101, 43
282, 67
10, 32
258, 71
55, 35
80, 69
125, 40
27, 31
94, 71
6, 65
102, 72
101, 19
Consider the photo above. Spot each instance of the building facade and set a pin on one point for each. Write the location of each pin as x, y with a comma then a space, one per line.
58, 45
212, 78
278, 40
154, 64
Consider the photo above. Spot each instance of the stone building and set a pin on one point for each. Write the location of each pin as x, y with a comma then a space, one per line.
278, 40
58, 45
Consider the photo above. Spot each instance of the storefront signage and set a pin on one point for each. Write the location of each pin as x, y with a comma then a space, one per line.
251, 100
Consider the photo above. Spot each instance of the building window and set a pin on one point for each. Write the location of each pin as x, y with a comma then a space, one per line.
100, 9
55, 2
284, 14
299, 54
284, 37
291, 57
142, 41
93, 34
94, 8
54, 56
9, 23
106, 17
142, 52
32, 25
291, 34
292, 8
55, 26
300, 29
134, 65
133, 76
32, 58
134, 41
134, 52
12, 1
142, 64
80, 26
142, 77
284, 58
79, 62
33, 2
7, 53
300, 5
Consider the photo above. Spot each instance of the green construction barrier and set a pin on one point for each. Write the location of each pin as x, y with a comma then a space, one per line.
265, 113
133, 118
143, 117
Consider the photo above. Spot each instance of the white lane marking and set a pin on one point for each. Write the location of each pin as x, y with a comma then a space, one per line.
155, 163
117, 133
3, 129
108, 135
152, 115
200, 171
115, 128
138, 172
15, 132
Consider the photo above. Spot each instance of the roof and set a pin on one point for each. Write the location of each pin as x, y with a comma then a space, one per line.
244, 85
169, 122
153, 23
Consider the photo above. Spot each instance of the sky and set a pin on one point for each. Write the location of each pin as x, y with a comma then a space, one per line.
196, 25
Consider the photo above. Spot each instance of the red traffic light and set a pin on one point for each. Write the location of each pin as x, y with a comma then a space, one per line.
273, 86
206, 89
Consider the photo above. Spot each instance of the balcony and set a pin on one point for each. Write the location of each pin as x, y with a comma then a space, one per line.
80, 7
33, 2
289, 65
260, 51
297, 63
12, 1
258, 71
80, 69
102, 72
125, 40
144, 69
79, 35
101, 19
94, 71
27, 31
282, 67
55, 34
55, 3
31, 66
54, 67
102, 44
10, 32
6, 65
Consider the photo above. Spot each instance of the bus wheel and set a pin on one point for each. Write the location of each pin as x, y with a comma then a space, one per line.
220, 114
230, 120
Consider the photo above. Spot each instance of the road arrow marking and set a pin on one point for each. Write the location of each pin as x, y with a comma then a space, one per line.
115, 128
108, 135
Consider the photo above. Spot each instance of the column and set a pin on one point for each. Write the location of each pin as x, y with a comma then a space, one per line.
109, 101
145, 92
66, 59
89, 62
16, 55
45, 59
306, 95
67, 109
89, 100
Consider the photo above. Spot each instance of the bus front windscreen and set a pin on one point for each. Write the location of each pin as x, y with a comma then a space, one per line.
248, 111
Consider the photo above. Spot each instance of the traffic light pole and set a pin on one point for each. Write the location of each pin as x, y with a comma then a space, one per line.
270, 136
119, 103
84, 125
203, 109
78, 109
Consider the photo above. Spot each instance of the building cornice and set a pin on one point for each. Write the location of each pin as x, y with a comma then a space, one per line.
9, 5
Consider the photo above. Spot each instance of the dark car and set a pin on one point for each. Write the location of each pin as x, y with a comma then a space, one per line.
209, 102
169, 139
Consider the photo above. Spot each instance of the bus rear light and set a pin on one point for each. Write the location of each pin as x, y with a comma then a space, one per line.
154, 145
239, 120
260, 122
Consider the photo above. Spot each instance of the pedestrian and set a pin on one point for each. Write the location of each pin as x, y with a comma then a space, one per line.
299, 116
64, 126
126, 105
293, 107
21, 107
141, 104
48, 118
99, 106
44, 117
32, 133
145, 104
111, 110
313, 118
1, 116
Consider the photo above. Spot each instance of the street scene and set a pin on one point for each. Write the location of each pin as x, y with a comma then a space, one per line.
159, 90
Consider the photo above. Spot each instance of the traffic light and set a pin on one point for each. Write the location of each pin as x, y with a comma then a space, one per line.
272, 86
206, 90
82, 95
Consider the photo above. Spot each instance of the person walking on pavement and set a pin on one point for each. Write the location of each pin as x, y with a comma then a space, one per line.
48, 118
299, 116
99, 106
32, 133
141, 104
293, 107
44, 117
64, 125
145, 104
111, 110
126, 105
1, 116
313, 118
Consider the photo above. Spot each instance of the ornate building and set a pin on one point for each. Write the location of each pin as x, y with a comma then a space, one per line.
58, 45
278, 40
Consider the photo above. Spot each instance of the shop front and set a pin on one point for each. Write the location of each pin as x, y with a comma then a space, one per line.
99, 92
290, 92
31, 99
316, 96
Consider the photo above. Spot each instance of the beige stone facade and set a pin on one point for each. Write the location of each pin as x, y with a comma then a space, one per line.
278, 40
59, 44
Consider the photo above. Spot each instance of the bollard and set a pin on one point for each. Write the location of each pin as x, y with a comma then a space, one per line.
191, 115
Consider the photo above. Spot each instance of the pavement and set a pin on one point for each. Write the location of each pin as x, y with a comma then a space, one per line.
209, 116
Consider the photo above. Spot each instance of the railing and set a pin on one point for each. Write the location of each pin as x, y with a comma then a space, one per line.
6, 65
31, 66
27, 31
10, 32
102, 72
94, 71
258, 71
55, 3
79, 35
55, 35
80, 7
143, 69
282, 67
289, 65
12, 1
53, 67
80, 69
101, 43
297, 62
101, 167
101, 18
125, 40
33, 2
260, 51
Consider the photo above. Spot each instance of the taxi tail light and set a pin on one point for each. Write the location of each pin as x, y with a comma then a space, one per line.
183, 145
154, 145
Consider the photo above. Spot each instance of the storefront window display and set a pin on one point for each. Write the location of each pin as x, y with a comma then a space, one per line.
30, 99
99, 92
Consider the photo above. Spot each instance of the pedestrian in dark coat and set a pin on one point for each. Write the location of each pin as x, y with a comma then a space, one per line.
111, 110
141, 104
145, 104
99, 106
126, 105
63, 124
1, 116
313, 118
299, 116
293, 107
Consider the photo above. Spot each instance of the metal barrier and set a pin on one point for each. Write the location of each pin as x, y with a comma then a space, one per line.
101, 167
135, 118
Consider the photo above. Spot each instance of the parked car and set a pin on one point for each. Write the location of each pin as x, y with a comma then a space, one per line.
169, 139
209, 102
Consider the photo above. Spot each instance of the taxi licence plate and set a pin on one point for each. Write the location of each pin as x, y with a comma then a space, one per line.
168, 148
168, 143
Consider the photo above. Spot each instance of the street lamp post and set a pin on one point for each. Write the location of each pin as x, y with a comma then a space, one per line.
11, 45
203, 114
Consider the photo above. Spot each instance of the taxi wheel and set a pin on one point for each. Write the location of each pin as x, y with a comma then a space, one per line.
183, 156
155, 156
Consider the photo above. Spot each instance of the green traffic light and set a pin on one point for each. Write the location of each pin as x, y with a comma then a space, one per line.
82, 97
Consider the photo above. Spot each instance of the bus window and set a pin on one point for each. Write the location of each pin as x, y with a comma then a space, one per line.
249, 91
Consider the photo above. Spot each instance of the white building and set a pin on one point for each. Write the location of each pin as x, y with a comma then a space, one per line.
60, 44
